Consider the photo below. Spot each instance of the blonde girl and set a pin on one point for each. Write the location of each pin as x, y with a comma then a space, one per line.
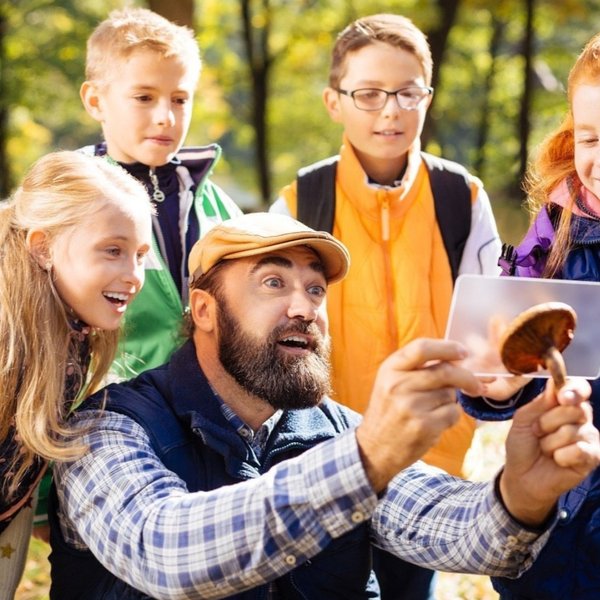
73, 238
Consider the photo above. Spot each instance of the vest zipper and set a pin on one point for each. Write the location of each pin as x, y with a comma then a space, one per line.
385, 216
387, 261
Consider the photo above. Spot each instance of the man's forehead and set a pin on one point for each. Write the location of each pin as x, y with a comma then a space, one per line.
289, 257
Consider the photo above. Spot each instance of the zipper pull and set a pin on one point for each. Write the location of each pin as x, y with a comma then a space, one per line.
385, 216
157, 194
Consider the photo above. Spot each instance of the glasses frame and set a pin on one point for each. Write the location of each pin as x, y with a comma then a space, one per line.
428, 92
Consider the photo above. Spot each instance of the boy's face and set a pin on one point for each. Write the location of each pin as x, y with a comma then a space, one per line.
586, 132
381, 138
145, 107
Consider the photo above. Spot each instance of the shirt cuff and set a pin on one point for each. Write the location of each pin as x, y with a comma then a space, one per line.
336, 472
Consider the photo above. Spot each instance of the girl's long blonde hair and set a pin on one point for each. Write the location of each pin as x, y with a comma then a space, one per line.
555, 159
36, 346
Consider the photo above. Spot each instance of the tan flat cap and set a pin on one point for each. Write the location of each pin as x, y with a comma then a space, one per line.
259, 233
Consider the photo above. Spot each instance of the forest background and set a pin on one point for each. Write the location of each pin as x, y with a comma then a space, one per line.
500, 71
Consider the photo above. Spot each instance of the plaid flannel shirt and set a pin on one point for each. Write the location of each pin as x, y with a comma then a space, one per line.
140, 521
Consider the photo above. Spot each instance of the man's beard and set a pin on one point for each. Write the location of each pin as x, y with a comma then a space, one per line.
284, 380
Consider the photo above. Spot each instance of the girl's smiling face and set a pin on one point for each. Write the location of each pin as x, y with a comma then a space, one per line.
585, 105
98, 265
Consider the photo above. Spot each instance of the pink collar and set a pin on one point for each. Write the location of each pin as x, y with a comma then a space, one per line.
563, 196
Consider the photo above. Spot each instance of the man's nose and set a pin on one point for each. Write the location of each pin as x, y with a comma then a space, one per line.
302, 305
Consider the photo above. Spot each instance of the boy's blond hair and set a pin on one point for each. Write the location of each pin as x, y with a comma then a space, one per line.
128, 30
395, 30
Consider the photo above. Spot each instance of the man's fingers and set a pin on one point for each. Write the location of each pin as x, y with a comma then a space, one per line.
424, 350
581, 456
560, 416
431, 362
561, 438
575, 391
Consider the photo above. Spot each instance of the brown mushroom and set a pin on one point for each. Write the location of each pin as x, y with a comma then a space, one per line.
536, 338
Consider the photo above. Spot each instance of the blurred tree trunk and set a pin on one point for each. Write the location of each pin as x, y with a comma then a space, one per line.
438, 38
180, 12
484, 124
438, 41
5, 178
526, 99
256, 41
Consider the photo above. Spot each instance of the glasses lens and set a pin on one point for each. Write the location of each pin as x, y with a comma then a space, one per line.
409, 98
369, 99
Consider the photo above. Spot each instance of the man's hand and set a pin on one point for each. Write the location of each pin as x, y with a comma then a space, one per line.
412, 403
551, 447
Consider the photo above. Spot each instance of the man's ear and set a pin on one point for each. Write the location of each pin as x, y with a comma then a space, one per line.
38, 245
203, 308
90, 96
331, 99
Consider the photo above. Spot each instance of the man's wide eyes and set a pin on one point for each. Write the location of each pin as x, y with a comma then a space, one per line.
274, 282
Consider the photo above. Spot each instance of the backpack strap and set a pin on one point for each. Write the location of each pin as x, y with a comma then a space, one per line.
451, 190
316, 194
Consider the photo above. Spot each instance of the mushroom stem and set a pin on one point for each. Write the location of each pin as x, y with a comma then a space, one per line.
555, 363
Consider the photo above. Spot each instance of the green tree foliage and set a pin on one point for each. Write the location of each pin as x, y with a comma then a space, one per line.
44, 50
474, 118
465, 98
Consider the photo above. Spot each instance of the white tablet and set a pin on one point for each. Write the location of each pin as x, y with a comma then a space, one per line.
482, 306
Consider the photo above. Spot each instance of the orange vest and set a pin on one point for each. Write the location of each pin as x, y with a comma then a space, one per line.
399, 286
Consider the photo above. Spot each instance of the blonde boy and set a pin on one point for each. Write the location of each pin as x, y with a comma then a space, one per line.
400, 283
141, 76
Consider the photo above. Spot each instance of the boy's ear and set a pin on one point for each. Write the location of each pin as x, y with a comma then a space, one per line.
203, 308
331, 99
37, 244
91, 99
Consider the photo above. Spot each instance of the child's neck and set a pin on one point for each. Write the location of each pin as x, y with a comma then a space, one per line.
387, 172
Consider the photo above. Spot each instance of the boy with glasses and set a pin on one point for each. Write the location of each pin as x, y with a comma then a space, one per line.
400, 284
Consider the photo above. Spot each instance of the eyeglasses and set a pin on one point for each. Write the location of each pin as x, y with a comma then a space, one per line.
408, 98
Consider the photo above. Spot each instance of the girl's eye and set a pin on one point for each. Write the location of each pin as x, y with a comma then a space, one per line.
141, 257
143, 98
181, 101
114, 251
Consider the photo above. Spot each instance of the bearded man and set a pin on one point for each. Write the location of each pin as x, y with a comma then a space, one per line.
229, 473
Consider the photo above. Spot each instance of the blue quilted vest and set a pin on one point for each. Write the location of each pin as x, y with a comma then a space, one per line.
178, 410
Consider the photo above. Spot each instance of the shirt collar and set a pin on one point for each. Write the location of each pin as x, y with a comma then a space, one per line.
257, 440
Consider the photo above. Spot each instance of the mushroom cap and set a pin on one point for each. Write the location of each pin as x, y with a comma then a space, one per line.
532, 333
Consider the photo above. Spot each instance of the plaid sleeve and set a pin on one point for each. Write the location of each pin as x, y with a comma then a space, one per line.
141, 523
446, 523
